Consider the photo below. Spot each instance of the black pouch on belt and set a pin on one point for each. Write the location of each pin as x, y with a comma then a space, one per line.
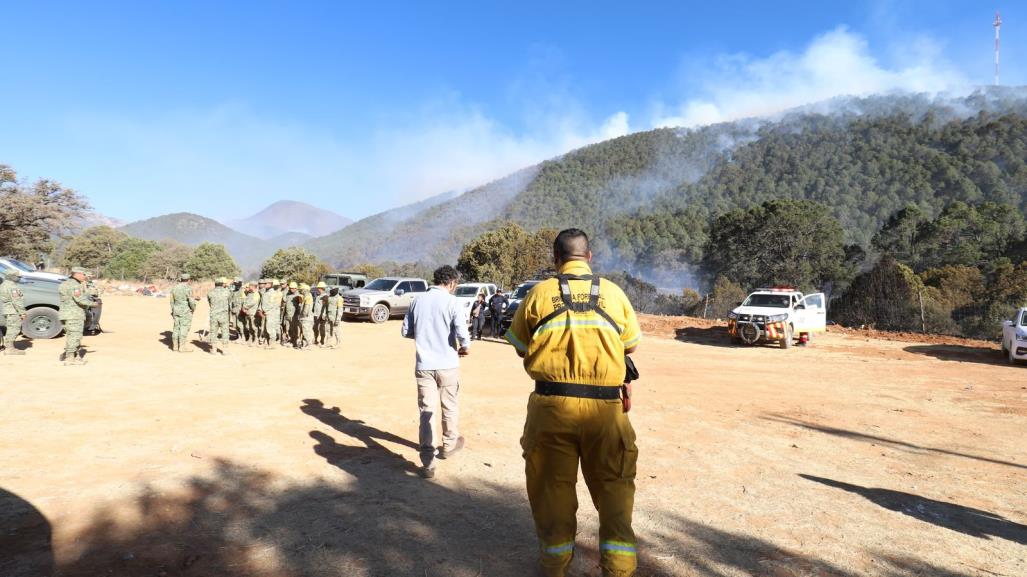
631, 373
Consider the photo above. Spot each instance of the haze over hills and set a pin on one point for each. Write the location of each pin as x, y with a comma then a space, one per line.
865, 158
648, 197
290, 216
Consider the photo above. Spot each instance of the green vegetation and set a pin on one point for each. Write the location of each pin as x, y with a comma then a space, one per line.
507, 255
294, 264
210, 261
33, 215
778, 242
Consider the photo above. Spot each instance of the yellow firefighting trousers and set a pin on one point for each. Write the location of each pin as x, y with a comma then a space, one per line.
560, 431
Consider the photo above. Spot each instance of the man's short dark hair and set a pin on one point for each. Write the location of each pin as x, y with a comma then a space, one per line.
445, 274
571, 244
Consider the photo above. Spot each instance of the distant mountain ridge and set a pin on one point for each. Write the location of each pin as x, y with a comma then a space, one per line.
290, 216
193, 229
711, 169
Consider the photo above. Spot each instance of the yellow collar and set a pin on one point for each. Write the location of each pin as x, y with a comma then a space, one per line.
576, 267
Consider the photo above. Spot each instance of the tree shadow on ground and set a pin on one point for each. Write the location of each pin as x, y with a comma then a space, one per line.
237, 521
687, 547
240, 522
894, 444
966, 520
25, 547
959, 353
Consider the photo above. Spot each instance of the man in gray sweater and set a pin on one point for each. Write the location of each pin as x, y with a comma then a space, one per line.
436, 323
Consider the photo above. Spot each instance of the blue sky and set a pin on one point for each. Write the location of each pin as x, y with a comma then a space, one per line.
222, 108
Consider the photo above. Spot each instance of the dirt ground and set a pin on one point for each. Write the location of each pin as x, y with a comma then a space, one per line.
854, 456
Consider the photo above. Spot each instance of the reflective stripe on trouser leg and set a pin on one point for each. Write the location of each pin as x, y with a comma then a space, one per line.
550, 449
608, 463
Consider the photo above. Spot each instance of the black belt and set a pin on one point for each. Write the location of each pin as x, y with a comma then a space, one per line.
575, 390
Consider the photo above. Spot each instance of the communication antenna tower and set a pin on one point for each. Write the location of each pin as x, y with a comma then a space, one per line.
998, 26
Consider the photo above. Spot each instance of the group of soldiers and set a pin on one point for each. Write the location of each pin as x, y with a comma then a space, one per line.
265, 313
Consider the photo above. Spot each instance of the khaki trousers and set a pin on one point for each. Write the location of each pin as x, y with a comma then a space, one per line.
434, 388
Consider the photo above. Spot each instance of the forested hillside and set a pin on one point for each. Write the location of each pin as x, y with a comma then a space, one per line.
649, 197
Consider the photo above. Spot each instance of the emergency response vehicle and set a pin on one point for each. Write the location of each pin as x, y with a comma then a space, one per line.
780, 314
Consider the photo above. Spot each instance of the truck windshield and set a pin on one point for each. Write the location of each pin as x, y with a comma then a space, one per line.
466, 291
381, 284
765, 300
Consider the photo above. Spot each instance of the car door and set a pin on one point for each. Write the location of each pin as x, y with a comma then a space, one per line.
404, 296
814, 313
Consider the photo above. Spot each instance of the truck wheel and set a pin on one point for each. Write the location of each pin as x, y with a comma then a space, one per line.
41, 323
380, 313
786, 343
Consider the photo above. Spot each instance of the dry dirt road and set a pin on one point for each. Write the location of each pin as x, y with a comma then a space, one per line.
851, 457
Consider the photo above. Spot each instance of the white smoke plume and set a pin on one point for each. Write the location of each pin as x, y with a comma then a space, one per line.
837, 63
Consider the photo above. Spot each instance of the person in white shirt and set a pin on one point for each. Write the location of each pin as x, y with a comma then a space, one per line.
437, 324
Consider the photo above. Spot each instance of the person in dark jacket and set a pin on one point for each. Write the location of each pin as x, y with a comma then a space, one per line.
498, 307
478, 309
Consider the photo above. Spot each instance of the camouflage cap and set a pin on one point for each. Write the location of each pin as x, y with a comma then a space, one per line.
79, 270
184, 276
275, 282
219, 280
238, 279
13, 274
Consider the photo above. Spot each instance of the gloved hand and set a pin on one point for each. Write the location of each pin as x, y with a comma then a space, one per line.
625, 396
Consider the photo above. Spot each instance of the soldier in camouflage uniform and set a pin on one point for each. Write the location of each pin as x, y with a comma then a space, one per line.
271, 306
220, 301
182, 306
290, 318
320, 306
74, 303
235, 306
305, 317
12, 311
333, 316
247, 313
257, 315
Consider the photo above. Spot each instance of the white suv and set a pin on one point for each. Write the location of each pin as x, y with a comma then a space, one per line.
1014, 337
467, 293
778, 314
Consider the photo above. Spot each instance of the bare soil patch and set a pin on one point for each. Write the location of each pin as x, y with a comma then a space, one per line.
855, 456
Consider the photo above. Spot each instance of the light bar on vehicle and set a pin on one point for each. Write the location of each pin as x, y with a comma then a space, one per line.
778, 289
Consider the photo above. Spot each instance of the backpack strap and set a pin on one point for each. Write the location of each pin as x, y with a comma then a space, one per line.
578, 307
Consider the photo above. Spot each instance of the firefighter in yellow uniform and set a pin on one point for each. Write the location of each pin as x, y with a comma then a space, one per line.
573, 332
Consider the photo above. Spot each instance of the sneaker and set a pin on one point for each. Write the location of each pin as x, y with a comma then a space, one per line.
444, 454
427, 472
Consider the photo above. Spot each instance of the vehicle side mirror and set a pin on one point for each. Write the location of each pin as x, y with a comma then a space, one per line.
400, 292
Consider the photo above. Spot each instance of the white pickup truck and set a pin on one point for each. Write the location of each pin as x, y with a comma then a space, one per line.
1014, 337
778, 314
